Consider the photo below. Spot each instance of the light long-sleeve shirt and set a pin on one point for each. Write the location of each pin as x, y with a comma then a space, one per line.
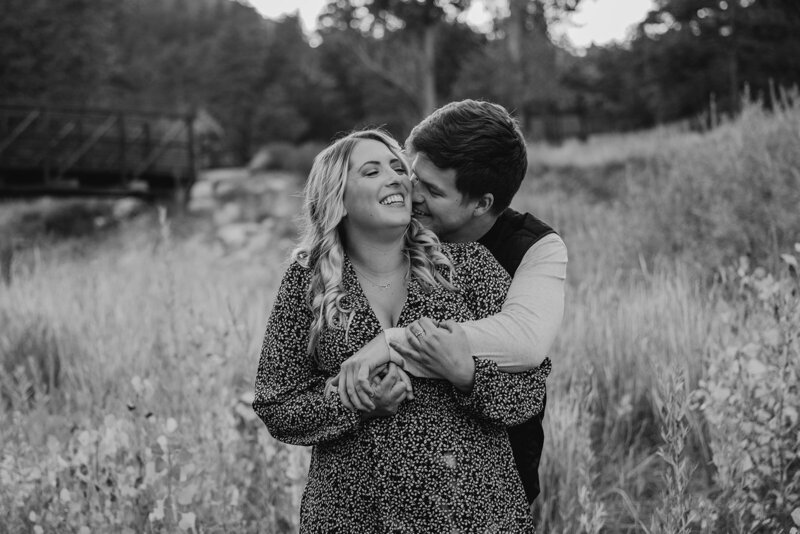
519, 338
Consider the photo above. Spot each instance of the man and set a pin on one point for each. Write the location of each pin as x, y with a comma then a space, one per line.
468, 160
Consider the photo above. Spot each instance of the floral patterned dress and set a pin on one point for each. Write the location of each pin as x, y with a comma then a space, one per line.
442, 463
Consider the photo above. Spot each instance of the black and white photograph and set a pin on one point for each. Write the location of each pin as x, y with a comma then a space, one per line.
399, 266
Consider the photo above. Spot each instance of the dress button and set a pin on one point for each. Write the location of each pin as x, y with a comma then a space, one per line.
449, 459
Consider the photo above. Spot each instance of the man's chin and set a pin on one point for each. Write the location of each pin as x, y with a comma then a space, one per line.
427, 222
424, 219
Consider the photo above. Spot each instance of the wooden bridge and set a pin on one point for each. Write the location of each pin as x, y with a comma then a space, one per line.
86, 151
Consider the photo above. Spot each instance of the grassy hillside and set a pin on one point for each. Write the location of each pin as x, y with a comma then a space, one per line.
128, 358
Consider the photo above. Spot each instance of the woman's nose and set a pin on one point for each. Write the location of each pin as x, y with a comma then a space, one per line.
397, 178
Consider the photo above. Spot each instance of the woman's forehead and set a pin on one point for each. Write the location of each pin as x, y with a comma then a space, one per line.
369, 150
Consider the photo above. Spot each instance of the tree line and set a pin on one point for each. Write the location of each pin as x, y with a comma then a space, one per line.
390, 62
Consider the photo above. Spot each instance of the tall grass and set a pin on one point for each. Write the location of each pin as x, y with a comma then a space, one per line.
146, 423
643, 307
128, 361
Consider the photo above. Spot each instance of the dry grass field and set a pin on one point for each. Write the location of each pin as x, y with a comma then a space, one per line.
128, 356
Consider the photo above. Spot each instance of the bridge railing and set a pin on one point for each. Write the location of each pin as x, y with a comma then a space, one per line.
43, 147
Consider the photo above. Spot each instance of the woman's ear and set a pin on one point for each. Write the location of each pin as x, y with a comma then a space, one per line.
483, 205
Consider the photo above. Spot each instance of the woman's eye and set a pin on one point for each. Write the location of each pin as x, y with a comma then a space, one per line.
401, 170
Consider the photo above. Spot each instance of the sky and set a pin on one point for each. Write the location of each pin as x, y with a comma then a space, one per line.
597, 21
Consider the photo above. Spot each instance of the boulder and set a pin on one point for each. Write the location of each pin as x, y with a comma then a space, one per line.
236, 235
228, 213
126, 208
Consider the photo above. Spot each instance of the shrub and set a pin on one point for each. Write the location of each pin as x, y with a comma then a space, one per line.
568, 473
156, 342
30, 358
680, 510
138, 472
751, 397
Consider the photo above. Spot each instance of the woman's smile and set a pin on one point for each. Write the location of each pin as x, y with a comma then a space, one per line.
395, 199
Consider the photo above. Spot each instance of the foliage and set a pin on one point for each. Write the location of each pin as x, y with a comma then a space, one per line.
750, 398
54, 51
743, 184
157, 344
295, 159
689, 55
532, 88
137, 472
569, 501
256, 77
389, 62
149, 426
680, 511
398, 41
637, 305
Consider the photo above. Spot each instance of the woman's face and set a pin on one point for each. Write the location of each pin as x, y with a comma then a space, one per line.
378, 190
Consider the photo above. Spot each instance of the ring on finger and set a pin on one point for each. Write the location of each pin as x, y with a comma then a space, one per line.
419, 333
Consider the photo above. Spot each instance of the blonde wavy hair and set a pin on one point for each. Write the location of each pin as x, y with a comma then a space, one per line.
321, 249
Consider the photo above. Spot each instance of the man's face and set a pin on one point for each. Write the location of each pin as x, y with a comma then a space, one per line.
436, 202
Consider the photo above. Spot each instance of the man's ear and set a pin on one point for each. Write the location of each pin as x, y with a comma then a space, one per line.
483, 205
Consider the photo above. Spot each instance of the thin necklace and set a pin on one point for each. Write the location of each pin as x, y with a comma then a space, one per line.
372, 282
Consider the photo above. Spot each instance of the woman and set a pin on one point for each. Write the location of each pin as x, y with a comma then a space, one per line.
438, 463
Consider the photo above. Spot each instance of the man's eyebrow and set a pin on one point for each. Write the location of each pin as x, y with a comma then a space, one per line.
428, 184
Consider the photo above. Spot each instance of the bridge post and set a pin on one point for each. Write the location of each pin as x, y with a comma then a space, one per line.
6, 259
186, 186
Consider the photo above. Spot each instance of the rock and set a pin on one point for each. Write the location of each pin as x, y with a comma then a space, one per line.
236, 235
202, 204
228, 213
223, 175
126, 208
261, 161
201, 197
204, 189
228, 190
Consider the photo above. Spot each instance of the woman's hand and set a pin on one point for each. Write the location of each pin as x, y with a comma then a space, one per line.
442, 350
355, 374
389, 392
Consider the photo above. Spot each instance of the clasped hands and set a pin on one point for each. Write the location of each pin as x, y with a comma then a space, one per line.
375, 380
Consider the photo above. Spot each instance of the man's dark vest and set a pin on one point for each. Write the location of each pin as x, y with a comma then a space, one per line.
509, 239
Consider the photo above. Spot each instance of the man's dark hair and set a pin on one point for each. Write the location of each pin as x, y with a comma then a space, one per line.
482, 142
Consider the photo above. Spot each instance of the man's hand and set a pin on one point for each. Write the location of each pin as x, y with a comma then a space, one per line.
389, 392
442, 351
356, 372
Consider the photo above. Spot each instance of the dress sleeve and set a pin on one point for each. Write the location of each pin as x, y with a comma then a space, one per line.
497, 396
520, 336
504, 398
290, 389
